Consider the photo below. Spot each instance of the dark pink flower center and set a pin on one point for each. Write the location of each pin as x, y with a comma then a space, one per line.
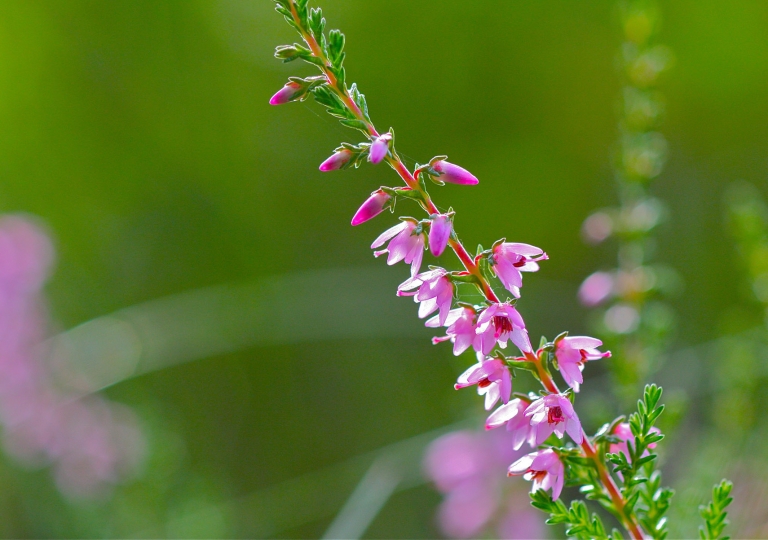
521, 262
555, 415
538, 476
502, 324
484, 383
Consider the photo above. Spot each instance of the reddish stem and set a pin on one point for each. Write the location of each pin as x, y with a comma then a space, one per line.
471, 267
617, 499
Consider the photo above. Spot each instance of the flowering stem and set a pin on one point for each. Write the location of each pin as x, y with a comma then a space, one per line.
394, 160
628, 521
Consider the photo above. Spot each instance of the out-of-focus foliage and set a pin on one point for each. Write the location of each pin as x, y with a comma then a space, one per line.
140, 133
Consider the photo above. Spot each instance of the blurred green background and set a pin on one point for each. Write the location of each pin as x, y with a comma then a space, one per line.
139, 131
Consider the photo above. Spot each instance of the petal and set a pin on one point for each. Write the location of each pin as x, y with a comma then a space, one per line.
389, 233
521, 465
521, 249
583, 342
573, 427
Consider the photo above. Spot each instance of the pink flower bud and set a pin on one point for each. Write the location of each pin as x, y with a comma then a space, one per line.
286, 93
439, 232
372, 207
379, 148
453, 174
336, 161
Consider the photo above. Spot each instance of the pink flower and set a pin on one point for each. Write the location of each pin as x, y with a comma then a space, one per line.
461, 329
406, 244
544, 468
499, 323
287, 93
554, 413
439, 233
572, 353
435, 292
492, 379
372, 207
510, 259
337, 160
453, 174
513, 415
379, 148
624, 432
596, 289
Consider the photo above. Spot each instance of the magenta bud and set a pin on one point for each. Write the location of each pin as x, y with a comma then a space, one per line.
337, 160
372, 207
379, 148
439, 233
453, 174
286, 93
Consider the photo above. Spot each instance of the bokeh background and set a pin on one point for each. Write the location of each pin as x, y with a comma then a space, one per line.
207, 278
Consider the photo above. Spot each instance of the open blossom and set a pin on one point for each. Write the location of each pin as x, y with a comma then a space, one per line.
406, 244
513, 415
379, 148
439, 233
453, 174
461, 329
554, 413
572, 353
498, 324
372, 207
337, 160
286, 93
492, 379
435, 292
510, 259
544, 468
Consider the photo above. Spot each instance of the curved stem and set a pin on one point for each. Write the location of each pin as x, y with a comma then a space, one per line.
394, 160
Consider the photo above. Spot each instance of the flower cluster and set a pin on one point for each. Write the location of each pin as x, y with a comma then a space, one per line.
90, 442
487, 327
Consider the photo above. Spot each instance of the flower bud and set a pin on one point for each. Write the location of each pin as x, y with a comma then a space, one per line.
454, 174
287, 93
337, 161
379, 148
372, 207
439, 232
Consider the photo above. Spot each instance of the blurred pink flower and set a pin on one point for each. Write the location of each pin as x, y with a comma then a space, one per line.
89, 441
372, 207
435, 292
453, 174
572, 353
461, 329
624, 432
510, 259
439, 233
492, 379
406, 244
596, 289
499, 323
544, 468
468, 467
554, 413
513, 415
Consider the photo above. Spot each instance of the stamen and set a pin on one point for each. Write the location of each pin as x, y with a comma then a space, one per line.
484, 383
555, 415
502, 324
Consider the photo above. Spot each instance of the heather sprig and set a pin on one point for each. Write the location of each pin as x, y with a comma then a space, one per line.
714, 513
614, 467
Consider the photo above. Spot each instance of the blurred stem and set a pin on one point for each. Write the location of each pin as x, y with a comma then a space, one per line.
629, 521
394, 160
